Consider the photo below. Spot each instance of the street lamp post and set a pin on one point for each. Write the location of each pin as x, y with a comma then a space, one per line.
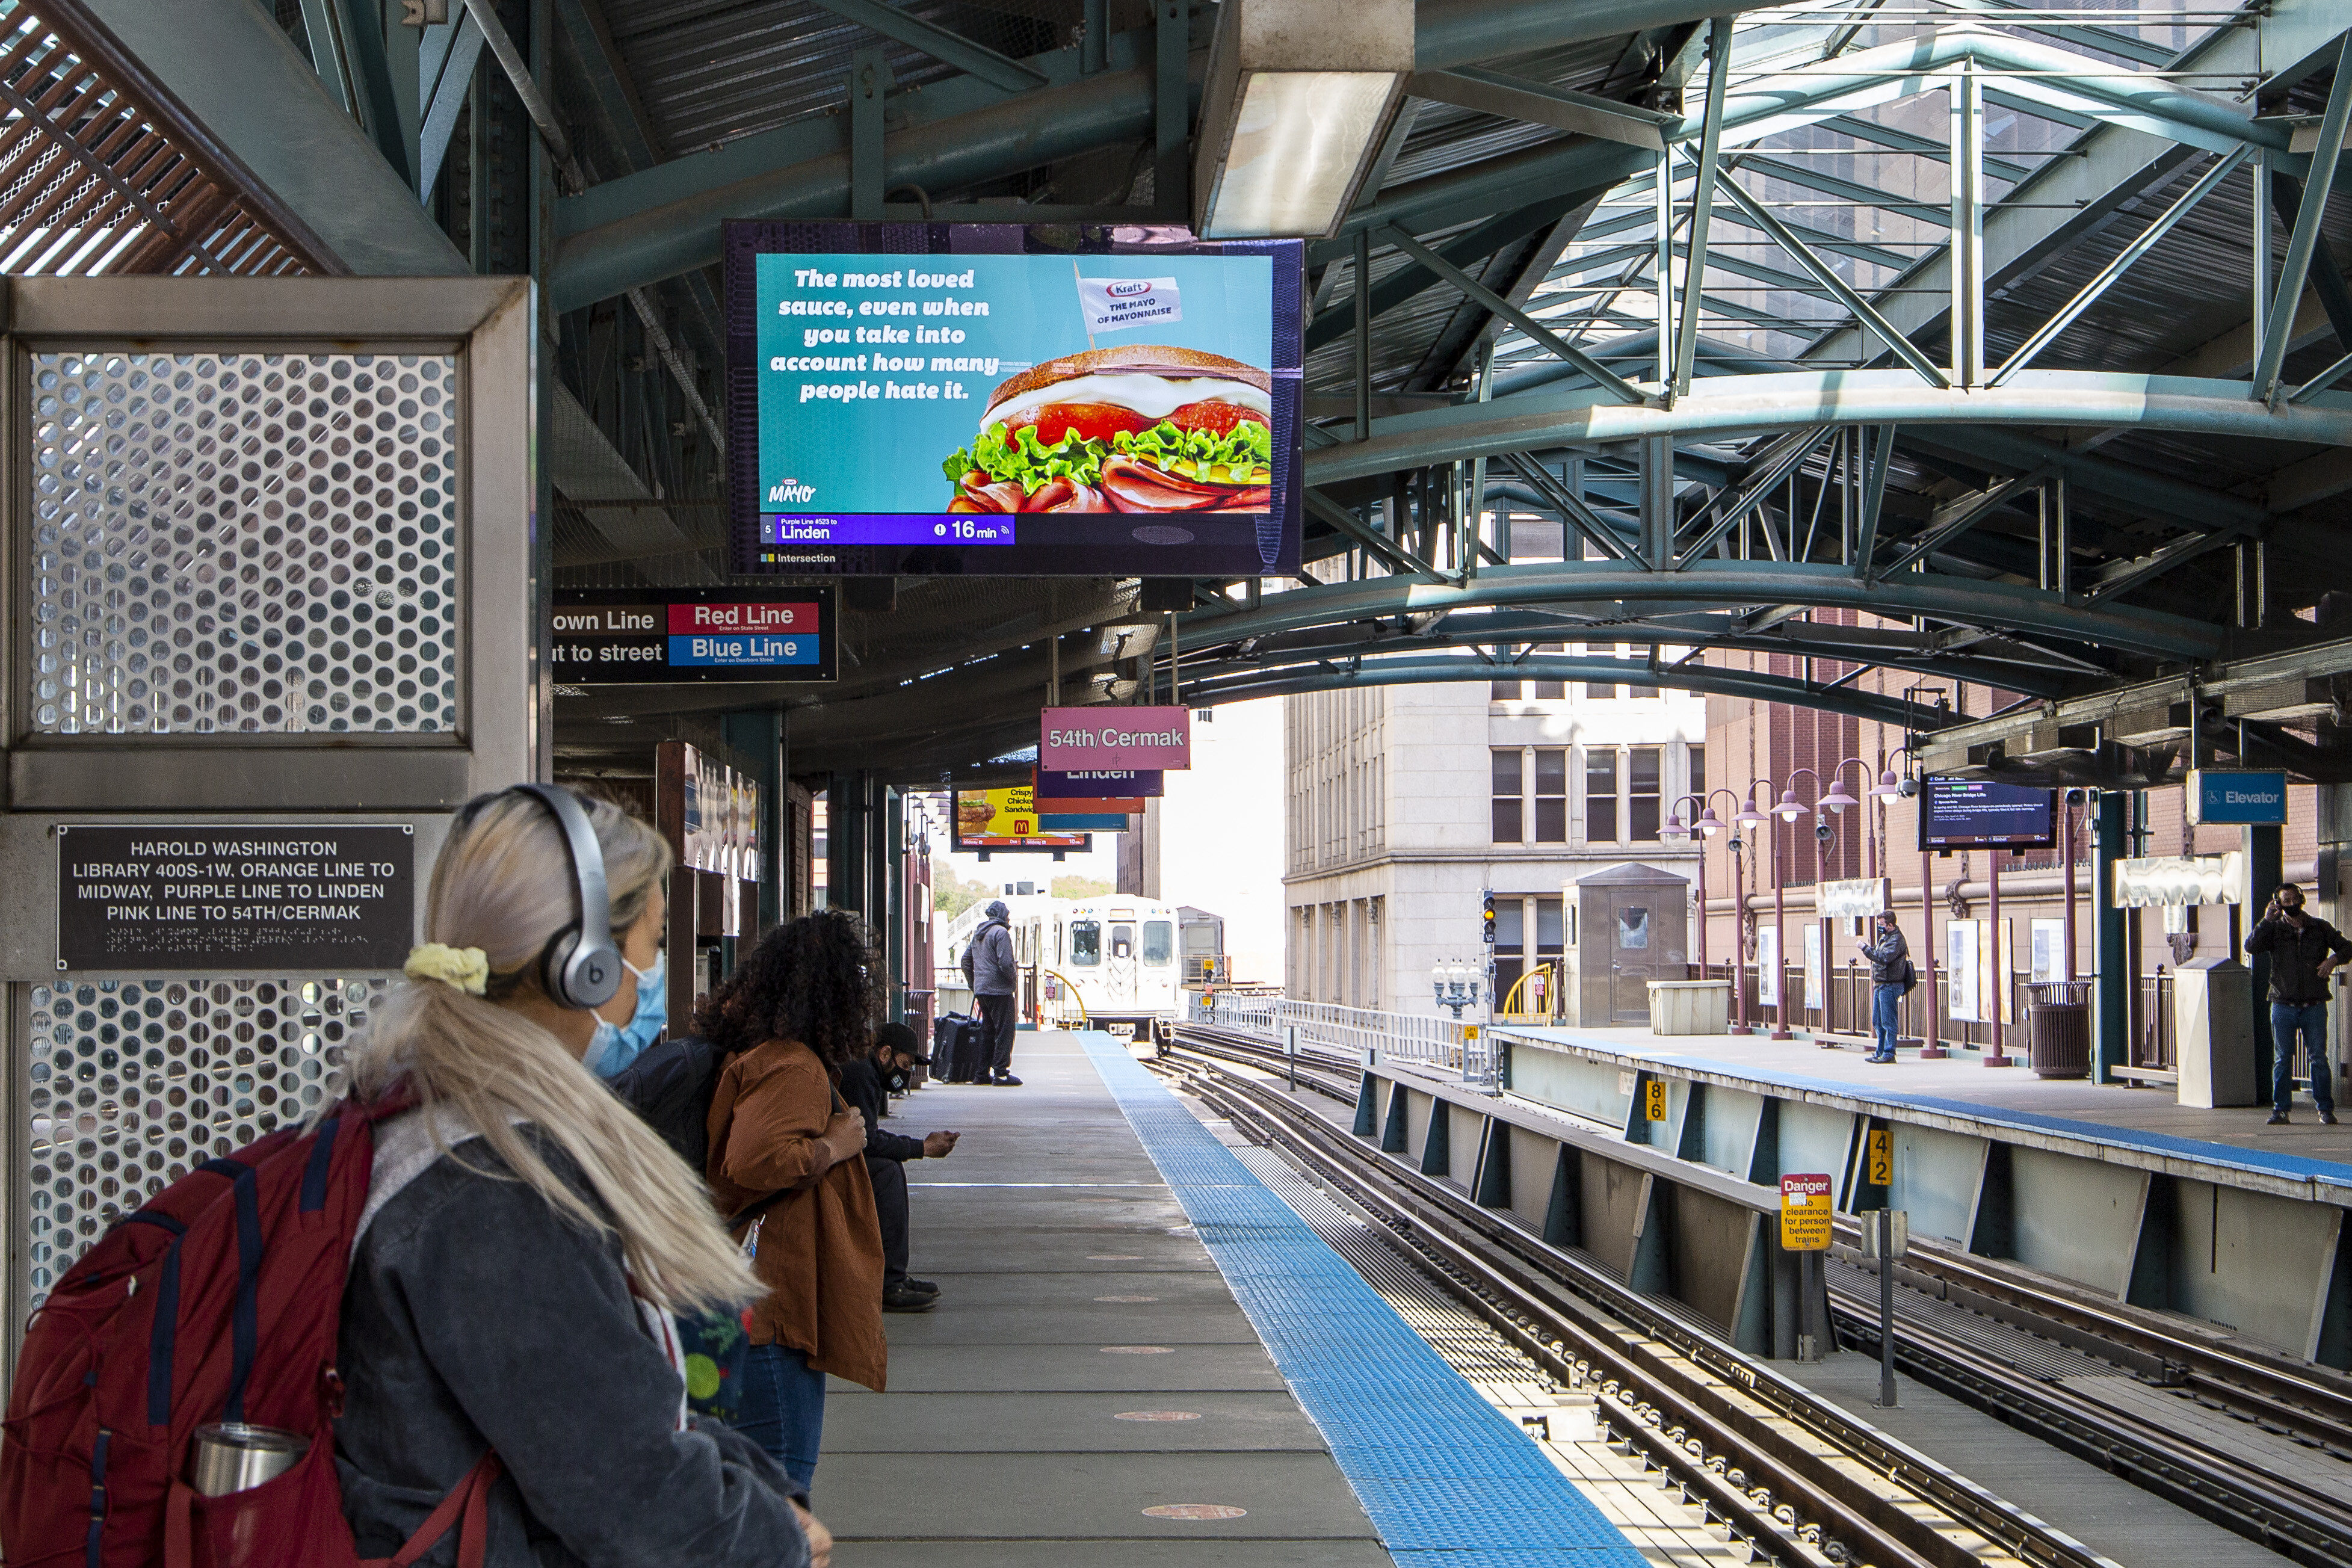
1834, 803
1788, 810
1755, 821
1708, 825
1455, 985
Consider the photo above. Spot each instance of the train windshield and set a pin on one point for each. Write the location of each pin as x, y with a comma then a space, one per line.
1122, 941
1159, 942
1086, 942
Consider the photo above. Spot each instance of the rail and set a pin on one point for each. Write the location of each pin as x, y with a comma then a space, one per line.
2238, 1489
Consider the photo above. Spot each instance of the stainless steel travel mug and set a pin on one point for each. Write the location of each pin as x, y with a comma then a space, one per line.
234, 1457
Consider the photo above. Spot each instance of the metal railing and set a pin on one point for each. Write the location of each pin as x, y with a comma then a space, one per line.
1329, 1027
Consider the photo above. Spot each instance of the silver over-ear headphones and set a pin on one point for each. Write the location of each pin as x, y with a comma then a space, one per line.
582, 967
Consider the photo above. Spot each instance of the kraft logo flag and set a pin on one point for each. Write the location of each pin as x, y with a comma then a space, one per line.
1112, 304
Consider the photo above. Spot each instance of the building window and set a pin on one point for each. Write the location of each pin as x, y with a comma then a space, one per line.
1593, 689
1549, 690
1698, 778
1509, 790
1551, 796
1643, 792
1510, 946
1600, 795
1505, 692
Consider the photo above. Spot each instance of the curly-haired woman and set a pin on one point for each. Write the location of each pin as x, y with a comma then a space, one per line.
803, 1002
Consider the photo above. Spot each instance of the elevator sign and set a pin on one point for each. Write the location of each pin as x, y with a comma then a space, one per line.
671, 636
256, 896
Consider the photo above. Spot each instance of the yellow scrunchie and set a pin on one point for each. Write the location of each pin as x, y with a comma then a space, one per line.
466, 968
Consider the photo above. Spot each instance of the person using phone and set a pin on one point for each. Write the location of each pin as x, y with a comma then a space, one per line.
1890, 966
2305, 951
887, 1154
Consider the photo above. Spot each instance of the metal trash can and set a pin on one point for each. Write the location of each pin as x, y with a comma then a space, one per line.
2058, 1028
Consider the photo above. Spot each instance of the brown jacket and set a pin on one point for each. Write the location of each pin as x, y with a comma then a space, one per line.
819, 1248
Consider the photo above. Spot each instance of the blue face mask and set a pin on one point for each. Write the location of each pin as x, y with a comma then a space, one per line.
616, 1046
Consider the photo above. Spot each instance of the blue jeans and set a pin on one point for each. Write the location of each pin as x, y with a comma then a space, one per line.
1883, 1000
2311, 1019
784, 1408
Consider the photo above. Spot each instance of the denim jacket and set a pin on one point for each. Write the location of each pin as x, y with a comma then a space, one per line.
477, 1317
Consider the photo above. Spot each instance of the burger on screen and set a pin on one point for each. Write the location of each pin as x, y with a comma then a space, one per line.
1134, 429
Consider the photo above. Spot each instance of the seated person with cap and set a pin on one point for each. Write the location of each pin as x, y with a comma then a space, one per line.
895, 1048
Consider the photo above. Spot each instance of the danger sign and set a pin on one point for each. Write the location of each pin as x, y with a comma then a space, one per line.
1805, 1205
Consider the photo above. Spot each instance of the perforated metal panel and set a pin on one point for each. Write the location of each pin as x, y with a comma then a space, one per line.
243, 542
133, 1082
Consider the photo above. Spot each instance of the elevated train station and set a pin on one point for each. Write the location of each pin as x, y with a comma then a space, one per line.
1705, 487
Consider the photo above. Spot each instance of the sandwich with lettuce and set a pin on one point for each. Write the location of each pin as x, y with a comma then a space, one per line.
1137, 429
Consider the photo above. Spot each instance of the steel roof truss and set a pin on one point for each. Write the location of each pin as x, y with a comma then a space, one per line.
1574, 511
2088, 295
1862, 311
1950, 521
1607, 380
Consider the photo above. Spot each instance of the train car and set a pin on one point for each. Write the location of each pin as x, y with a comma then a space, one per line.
1106, 962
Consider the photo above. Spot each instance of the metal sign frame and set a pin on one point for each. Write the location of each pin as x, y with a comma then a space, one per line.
492, 733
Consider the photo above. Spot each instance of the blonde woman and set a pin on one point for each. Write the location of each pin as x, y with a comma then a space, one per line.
526, 1237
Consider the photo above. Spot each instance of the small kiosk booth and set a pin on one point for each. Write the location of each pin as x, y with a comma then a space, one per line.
1627, 926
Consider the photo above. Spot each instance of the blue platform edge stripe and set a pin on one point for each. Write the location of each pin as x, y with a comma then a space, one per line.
1437, 1469
2295, 1167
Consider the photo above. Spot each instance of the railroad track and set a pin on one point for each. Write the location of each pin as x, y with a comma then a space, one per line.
1790, 1474
2287, 1513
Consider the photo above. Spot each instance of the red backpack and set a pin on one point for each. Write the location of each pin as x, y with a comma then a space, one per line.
220, 1301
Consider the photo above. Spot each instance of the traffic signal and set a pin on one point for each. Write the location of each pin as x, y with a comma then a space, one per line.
1487, 919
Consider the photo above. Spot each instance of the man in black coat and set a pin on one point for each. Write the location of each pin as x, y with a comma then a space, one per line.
2305, 951
886, 1152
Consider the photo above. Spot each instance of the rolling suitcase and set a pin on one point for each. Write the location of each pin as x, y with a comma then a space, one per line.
954, 1043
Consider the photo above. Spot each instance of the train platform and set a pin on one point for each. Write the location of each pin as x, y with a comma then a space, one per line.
2147, 1119
1142, 1356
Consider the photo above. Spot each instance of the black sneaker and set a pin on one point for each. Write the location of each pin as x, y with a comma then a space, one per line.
1008, 1080
2278, 1118
2328, 1119
920, 1287
908, 1301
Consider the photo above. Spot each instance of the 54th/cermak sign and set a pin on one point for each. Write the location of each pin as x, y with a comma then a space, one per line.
1082, 740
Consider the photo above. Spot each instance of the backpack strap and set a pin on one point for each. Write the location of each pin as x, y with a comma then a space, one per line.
471, 1499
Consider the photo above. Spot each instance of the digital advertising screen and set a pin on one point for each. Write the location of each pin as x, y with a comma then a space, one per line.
1978, 814
1006, 819
980, 398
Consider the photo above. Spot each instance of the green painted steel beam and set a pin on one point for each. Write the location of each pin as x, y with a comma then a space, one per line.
1738, 405
1606, 588
1439, 669
237, 71
663, 221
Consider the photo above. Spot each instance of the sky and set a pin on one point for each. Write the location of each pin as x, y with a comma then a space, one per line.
1220, 838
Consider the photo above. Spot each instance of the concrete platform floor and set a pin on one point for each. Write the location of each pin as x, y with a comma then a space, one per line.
1087, 1363
1963, 1076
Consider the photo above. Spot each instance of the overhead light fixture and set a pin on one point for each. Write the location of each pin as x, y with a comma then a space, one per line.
1298, 97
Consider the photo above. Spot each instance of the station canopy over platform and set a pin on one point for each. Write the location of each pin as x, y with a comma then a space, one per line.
2013, 357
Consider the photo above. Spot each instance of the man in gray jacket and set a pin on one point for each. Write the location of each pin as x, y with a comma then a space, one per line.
1890, 977
996, 975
